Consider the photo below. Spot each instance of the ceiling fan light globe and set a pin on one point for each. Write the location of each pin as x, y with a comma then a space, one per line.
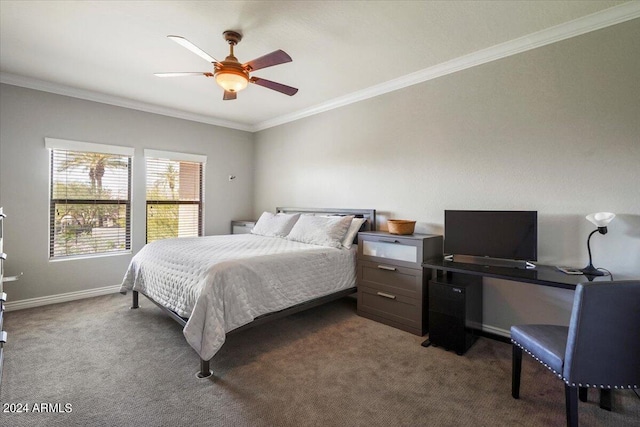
231, 82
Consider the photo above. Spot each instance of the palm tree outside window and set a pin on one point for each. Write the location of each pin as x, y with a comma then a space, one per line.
90, 199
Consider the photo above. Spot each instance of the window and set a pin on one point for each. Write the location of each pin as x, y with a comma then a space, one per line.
174, 194
90, 198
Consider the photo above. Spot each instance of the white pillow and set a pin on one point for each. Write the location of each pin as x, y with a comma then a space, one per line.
351, 233
320, 230
271, 225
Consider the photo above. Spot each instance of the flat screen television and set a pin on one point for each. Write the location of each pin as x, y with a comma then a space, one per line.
509, 235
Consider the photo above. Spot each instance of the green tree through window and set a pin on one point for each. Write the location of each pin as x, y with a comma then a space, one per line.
90, 203
95, 165
174, 198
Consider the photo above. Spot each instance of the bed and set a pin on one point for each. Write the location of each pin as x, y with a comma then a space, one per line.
217, 285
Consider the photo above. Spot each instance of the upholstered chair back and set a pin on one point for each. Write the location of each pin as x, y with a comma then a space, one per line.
603, 347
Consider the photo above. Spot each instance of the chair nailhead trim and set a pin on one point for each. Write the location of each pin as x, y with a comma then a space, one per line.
566, 380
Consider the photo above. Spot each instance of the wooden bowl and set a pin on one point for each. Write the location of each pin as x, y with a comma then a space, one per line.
401, 226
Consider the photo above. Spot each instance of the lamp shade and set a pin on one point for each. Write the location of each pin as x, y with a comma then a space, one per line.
601, 219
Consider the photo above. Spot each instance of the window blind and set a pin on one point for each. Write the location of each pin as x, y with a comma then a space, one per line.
174, 198
90, 201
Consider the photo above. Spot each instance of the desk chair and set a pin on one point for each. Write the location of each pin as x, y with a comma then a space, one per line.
600, 348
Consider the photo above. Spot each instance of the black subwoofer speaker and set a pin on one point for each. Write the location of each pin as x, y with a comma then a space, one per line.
455, 311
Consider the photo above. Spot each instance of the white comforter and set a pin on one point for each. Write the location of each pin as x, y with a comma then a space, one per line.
223, 282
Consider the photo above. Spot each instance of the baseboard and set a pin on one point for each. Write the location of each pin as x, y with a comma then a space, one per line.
55, 299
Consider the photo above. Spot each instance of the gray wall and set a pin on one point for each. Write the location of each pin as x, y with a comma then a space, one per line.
556, 130
28, 116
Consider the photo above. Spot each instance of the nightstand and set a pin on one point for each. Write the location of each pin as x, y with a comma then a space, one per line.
242, 226
392, 285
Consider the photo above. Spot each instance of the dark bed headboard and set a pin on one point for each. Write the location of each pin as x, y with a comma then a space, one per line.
368, 214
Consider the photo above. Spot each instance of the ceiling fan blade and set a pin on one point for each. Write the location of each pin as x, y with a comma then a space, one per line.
287, 90
268, 60
181, 74
228, 96
193, 48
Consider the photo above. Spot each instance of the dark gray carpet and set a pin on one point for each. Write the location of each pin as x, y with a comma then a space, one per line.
323, 367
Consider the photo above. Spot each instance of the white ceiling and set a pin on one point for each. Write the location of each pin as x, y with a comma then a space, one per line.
339, 49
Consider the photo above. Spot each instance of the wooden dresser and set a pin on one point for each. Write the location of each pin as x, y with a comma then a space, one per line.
392, 285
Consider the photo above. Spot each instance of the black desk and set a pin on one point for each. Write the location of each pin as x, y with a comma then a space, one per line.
455, 296
545, 275
458, 273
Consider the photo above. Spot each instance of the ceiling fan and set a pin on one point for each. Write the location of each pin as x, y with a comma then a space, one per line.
230, 74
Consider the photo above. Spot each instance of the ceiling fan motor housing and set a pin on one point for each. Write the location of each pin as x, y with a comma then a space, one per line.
232, 37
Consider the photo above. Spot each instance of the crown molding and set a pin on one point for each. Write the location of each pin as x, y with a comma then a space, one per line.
596, 21
606, 18
31, 83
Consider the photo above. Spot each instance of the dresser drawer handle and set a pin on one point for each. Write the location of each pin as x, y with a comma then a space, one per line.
3, 297
389, 241
384, 267
3, 337
3, 256
382, 294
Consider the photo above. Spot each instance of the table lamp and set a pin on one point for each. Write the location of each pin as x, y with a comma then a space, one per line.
600, 220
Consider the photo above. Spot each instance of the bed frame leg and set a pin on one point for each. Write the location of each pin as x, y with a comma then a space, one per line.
205, 372
134, 300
